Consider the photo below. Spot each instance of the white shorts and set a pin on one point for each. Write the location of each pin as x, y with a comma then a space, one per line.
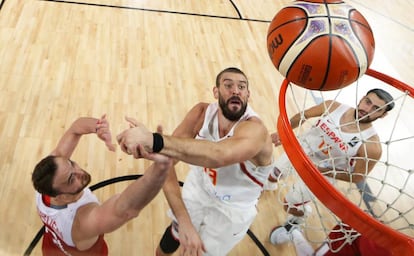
219, 225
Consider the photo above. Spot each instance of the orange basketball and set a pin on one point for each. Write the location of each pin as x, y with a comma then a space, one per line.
320, 45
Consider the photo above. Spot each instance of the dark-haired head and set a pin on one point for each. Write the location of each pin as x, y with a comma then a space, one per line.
385, 96
43, 175
230, 70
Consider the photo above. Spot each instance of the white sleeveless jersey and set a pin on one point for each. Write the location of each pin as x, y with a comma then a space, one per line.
238, 184
328, 146
61, 220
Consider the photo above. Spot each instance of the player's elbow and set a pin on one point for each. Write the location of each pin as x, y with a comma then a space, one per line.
125, 211
216, 162
127, 215
225, 157
220, 158
131, 214
357, 178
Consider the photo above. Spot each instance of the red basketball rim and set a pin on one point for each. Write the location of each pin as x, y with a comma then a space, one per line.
348, 212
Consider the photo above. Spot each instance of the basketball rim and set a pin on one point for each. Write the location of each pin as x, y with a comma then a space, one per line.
334, 200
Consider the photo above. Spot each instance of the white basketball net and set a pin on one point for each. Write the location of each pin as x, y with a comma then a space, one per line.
387, 193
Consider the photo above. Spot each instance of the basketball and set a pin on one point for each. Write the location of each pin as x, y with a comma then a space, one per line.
320, 45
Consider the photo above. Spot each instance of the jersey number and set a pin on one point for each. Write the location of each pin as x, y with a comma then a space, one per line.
324, 149
212, 174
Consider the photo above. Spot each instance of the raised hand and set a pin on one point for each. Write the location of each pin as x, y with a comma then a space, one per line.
104, 133
136, 135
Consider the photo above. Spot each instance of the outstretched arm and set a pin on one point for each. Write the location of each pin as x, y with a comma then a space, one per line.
249, 139
93, 220
301, 117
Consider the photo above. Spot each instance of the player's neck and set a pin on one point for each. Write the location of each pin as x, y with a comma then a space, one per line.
51, 202
64, 199
224, 126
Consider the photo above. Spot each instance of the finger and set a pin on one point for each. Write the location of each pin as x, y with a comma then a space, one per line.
110, 146
119, 138
131, 120
129, 150
97, 126
159, 129
137, 152
104, 123
101, 120
123, 147
142, 153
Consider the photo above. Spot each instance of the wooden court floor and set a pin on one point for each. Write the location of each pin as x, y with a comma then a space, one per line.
151, 60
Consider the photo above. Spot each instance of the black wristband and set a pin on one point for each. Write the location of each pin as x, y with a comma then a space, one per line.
158, 142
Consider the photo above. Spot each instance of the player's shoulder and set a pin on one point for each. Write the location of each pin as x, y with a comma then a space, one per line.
86, 211
254, 123
254, 119
201, 106
198, 110
331, 103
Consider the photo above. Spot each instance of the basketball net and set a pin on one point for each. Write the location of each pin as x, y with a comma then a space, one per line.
381, 207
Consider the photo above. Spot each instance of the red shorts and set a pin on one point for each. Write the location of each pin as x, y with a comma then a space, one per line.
53, 246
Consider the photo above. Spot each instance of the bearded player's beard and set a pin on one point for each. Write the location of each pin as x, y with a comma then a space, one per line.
86, 179
364, 119
231, 114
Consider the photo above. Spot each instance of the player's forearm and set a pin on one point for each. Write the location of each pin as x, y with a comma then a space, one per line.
137, 195
172, 193
343, 175
198, 152
84, 125
177, 206
295, 120
70, 139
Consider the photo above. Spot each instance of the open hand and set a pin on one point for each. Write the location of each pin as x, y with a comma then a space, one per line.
136, 135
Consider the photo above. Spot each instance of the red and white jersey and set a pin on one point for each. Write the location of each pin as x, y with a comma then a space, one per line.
327, 145
238, 184
57, 239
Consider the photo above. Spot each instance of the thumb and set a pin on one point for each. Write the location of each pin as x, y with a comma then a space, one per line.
110, 146
132, 121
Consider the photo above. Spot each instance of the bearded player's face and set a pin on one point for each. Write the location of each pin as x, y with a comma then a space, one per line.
233, 94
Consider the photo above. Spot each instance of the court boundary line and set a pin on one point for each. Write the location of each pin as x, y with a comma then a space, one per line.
158, 10
2, 3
